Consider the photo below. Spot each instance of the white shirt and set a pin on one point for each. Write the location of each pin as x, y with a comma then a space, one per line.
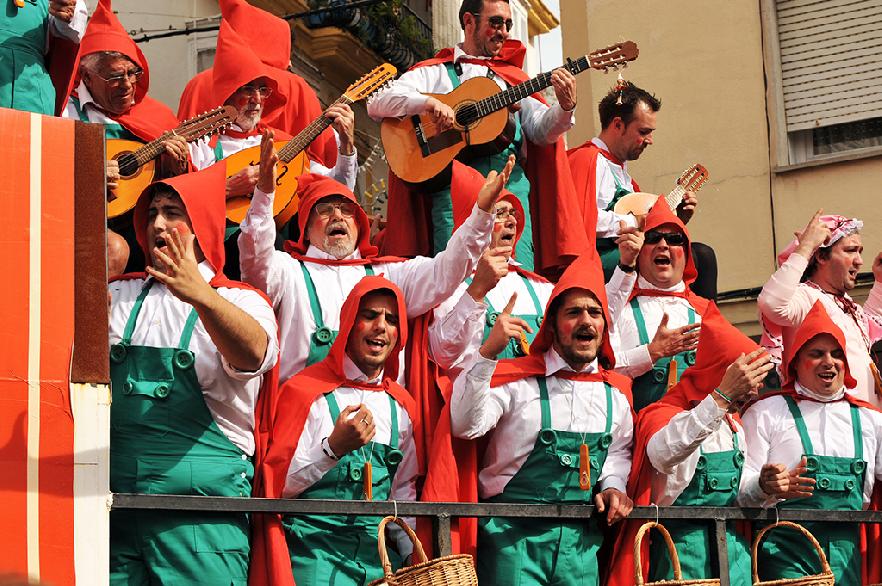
89, 107
425, 282
674, 450
310, 462
606, 174
344, 171
513, 412
772, 438
457, 330
785, 301
542, 124
632, 357
229, 393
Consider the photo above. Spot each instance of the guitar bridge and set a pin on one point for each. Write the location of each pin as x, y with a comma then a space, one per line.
421, 137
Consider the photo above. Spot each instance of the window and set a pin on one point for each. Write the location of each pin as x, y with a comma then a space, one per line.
825, 78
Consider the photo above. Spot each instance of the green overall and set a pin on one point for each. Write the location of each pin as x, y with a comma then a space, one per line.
518, 184
323, 337
715, 484
524, 552
651, 386
24, 80
607, 247
840, 486
164, 440
514, 349
341, 550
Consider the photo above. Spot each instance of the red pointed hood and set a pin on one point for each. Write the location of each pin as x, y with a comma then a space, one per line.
584, 273
465, 183
105, 33
816, 322
661, 214
236, 64
312, 187
203, 194
268, 35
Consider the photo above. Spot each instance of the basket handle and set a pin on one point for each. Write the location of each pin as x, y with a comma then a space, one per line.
381, 543
825, 566
672, 551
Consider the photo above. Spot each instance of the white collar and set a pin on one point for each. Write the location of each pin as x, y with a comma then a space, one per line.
354, 373
459, 53
554, 363
599, 142
823, 399
644, 284
316, 252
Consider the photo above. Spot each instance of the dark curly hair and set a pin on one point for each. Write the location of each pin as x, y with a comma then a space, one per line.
631, 95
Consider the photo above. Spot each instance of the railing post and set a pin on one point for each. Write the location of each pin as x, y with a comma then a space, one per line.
722, 550
443, 544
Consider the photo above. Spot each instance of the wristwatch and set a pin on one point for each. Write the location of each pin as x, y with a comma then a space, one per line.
326, 448
627, 268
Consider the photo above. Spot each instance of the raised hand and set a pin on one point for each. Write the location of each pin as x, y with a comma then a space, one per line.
744, 377
813, 236
777, 481
266, 178
492, 188
62, 9
686, 209
564, 84
630, 242
344, 123
505, 328
353, 429
178, 269
492, 266
668, 342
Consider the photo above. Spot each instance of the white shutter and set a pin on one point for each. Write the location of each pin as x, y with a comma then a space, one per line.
831, 61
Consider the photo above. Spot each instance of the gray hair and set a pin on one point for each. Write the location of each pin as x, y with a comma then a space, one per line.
94, 62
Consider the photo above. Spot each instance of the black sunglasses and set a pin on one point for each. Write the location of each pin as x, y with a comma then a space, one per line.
672, 238
497, 21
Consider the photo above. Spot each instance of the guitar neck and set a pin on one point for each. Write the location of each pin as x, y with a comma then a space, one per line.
518, 92
674, 198
304, 138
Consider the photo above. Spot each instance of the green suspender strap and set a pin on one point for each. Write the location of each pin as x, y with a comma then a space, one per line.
218, 151
545, 405
111, 131
133, 316
334, 409
856, 429
451, 71
183, 358
641, 323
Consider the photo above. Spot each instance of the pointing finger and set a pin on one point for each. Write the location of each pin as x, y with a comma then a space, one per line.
511, 303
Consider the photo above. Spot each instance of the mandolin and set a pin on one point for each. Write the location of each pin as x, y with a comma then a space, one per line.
417, 151
136, 160
640, 203
293, 161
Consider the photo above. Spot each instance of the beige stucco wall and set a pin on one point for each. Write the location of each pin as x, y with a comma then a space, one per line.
705, 61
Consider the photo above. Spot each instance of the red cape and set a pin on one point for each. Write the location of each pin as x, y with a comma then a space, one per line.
147, 118
554, 201
270, 560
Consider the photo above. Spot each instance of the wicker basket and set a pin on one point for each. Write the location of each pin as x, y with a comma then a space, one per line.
825, 578
451, 570
675, 560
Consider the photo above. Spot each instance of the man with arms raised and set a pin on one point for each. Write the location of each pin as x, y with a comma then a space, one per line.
822, 264
560, 432
487, 51
600, 171
189, 349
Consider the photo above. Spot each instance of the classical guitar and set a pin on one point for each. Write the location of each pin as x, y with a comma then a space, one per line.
137, 166
293, 161
417, 151
640, 203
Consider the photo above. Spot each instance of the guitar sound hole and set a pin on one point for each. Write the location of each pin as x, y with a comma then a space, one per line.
284, 171
467, 115
128, 165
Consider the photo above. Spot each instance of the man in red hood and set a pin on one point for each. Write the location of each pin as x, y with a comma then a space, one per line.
344, 429
487, 51
655, 314
627, 120
308, 283
110, 88
189, 350
241, 79
462, 323
561, 428
689, 451
814, 446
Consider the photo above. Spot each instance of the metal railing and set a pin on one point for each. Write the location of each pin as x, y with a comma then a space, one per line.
442, 513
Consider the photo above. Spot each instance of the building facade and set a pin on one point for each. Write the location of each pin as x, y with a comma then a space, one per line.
780, 100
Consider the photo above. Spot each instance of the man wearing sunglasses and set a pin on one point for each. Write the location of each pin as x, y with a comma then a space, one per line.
600, 171
308, 283
655, 314
488, 51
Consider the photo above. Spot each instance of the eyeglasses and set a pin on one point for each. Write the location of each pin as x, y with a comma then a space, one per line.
497, 21
132, 75
672, 238
248, 90
326, 209
503, 214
